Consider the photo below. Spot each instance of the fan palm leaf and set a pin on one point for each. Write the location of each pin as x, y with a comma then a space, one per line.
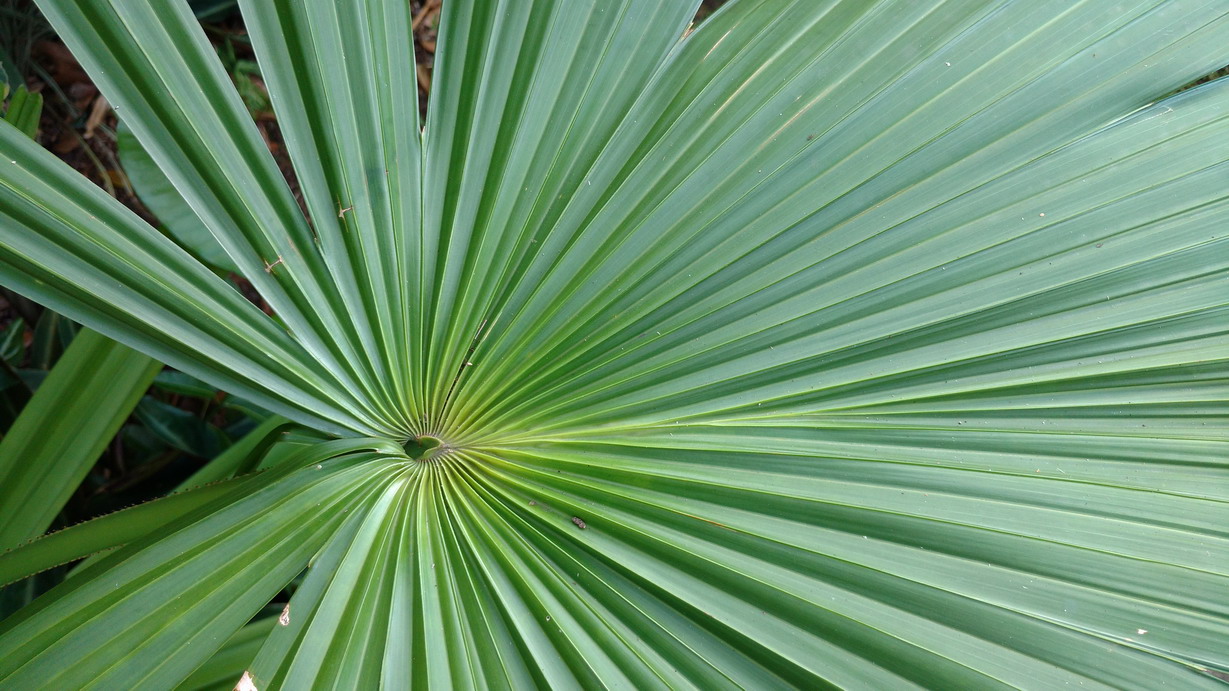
854, 344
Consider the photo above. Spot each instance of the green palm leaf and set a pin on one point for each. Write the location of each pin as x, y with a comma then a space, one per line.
831, 344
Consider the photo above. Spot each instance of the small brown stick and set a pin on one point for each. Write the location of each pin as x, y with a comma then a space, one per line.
423, 13
98, 111
424, 78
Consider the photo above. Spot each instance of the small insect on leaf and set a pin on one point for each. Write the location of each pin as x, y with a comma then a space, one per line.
579, 523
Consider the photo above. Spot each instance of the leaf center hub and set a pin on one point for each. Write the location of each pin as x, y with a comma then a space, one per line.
422, 447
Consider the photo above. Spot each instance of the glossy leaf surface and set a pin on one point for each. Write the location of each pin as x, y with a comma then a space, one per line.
851, 344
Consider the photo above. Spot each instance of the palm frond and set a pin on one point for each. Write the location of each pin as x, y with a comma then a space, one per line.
851, 344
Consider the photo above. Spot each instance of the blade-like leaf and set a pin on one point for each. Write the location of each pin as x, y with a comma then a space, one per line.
244, 456
62, 430
159, 71
98, 263
162, 199
830, 183
527, 97
104, 532
340, 76
228, 664
166, 602
24, 109
342, 590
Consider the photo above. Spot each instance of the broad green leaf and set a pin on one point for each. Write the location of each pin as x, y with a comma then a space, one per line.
62, 430
831, 344
24, 110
